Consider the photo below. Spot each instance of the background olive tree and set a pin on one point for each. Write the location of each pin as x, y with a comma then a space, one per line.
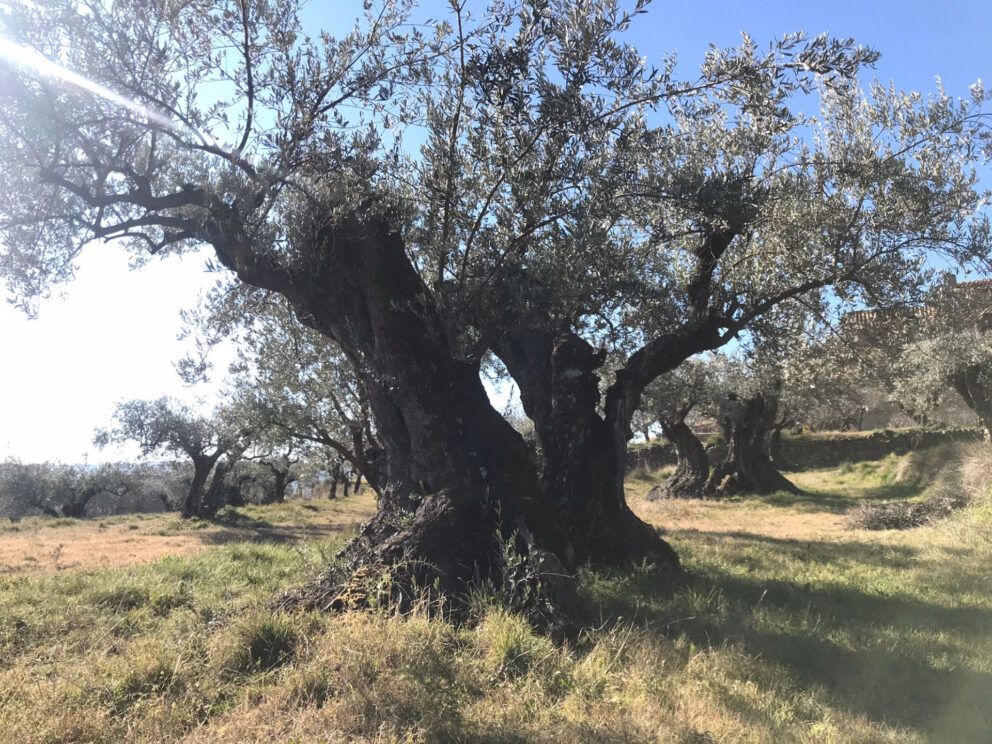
165, 427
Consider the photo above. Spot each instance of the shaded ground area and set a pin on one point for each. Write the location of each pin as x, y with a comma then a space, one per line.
895, 625
45, 546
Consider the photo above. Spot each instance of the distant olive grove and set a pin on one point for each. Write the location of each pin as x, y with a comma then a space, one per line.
56, 490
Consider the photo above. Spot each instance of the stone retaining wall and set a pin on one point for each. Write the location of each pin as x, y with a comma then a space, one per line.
811, 451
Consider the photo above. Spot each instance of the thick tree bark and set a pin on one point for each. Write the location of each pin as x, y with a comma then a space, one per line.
282, 477
559, 390
584, 452
460, 485
585, 465
972, 385
461, 488
748, 467
217, 495
77, 507
692, 466
280, 483
193, 503
48, 511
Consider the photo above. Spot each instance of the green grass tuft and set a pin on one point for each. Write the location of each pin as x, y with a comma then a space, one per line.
257, 643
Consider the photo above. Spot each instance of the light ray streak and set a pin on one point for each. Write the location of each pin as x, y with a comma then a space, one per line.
8, 7
23, 56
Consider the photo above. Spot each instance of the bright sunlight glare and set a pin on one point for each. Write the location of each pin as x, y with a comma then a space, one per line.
17, 54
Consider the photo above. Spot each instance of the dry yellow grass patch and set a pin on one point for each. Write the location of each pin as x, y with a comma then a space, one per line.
38, 547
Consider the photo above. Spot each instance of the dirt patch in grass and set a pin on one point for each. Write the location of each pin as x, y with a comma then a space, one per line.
736, 517
35, 549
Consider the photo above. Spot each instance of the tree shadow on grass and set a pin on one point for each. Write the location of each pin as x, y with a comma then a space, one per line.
232, 525
822, 500
872, 652
833, 552
272, 535
882, 685
237, 519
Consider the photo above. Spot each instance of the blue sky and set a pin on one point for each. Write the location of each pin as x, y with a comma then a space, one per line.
113, 335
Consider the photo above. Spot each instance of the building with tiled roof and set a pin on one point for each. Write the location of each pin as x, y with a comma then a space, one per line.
970, 300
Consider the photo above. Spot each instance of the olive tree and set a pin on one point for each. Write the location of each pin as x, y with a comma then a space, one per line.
167, 427
688, 206
746, 403
963, 359
78, 491
947, 350
671, 400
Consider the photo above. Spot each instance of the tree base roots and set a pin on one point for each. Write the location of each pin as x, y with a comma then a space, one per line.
446, 560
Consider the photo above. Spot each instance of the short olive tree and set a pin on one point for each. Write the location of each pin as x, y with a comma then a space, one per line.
167, 427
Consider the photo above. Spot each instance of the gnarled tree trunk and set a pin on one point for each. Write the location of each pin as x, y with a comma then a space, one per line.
218, 494
583, 451
193, 504
581, 468
748, 467
460, 485
692, 465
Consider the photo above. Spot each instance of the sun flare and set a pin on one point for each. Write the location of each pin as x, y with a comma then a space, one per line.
26, 57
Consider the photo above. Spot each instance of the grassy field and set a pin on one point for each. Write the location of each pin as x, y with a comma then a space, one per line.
792, 627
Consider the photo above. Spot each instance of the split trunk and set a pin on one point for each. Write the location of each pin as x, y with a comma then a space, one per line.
461, 488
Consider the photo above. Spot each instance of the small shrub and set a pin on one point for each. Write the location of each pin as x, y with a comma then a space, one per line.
312, 685
61, 522
150, 676
162, 604
509, 645
231, 516
251, 554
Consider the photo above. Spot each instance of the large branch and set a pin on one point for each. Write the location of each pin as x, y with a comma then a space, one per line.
141, 197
